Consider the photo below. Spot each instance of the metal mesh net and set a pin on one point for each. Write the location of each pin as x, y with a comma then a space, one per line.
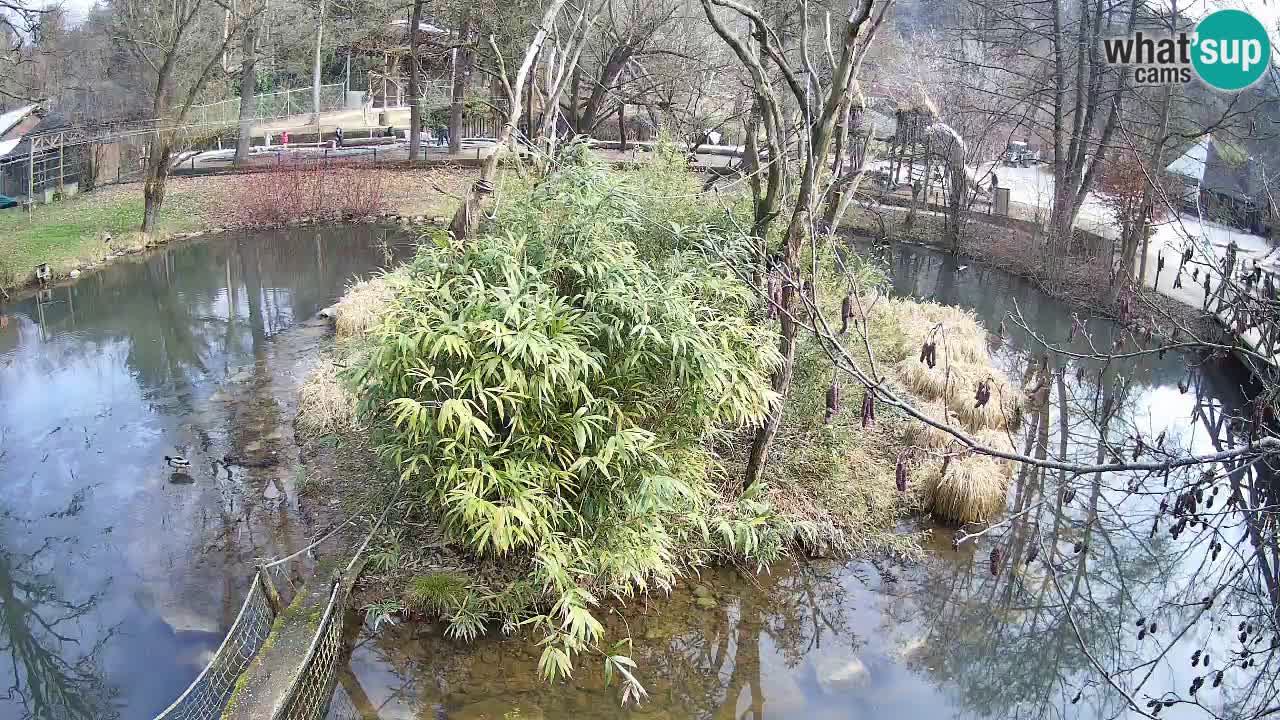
309, 695
341, 707
207, 696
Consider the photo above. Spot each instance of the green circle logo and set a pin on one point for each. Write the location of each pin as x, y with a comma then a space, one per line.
1232, 50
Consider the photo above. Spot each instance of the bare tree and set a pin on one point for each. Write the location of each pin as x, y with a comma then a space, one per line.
172, 40
819, 102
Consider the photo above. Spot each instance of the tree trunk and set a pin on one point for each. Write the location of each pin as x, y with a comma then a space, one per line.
415, 111
622, 126
248, 90
161, 147
315, 69
461, 72
466, 217
575, 88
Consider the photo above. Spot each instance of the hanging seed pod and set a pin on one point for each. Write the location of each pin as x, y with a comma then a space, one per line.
1186, 256
846, 312
1164, 506
929, 353
833, 401
983, 394
1159, 262
997, 555
1206, 285
900, 473
1068, 494
1142, 633
1160, 440
1076, 699
1152, 627
1217, 679
1195, 274
868, 408
1138, 448
1195, 658
1205, 660
1079, 547
1177, 279
1033, 553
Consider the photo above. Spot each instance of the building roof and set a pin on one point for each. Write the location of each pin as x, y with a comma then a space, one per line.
13, 117
1190, 164
49, 122
1228, 168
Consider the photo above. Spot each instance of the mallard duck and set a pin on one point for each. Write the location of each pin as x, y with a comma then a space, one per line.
177, 461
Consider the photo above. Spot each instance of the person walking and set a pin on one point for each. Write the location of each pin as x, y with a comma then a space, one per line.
337, 137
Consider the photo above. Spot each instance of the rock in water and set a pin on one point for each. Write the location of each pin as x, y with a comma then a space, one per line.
840, 674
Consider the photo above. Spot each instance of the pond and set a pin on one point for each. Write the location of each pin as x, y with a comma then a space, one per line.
119, 573
957, 634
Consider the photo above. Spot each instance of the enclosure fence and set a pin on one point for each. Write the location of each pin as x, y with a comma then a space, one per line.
271, 105
207, 696
311, 691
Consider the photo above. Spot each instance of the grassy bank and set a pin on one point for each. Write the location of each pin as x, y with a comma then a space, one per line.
71, 235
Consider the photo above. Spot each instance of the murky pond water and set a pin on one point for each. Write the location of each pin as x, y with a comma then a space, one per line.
118, 576
946, 637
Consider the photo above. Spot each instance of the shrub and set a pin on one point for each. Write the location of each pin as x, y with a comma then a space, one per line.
549, 389
306, 191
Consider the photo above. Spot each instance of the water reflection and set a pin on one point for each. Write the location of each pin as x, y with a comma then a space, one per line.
194, 350
53, 674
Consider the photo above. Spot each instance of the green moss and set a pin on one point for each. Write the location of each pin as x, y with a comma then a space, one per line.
1230, 153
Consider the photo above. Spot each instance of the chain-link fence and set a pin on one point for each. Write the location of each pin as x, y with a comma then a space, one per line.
341, 707
270, 105
207, 696
312, 688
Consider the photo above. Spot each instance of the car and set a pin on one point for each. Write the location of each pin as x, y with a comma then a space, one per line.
1020, 154
7, 202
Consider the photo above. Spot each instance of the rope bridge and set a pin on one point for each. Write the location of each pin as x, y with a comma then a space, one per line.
310, 691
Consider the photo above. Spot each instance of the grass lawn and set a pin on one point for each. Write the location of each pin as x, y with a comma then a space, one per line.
70, 234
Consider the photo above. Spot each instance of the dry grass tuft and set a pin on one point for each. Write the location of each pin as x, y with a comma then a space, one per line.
360, 310
928, 437
957, 383
325, 404
962, 338
970, 488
